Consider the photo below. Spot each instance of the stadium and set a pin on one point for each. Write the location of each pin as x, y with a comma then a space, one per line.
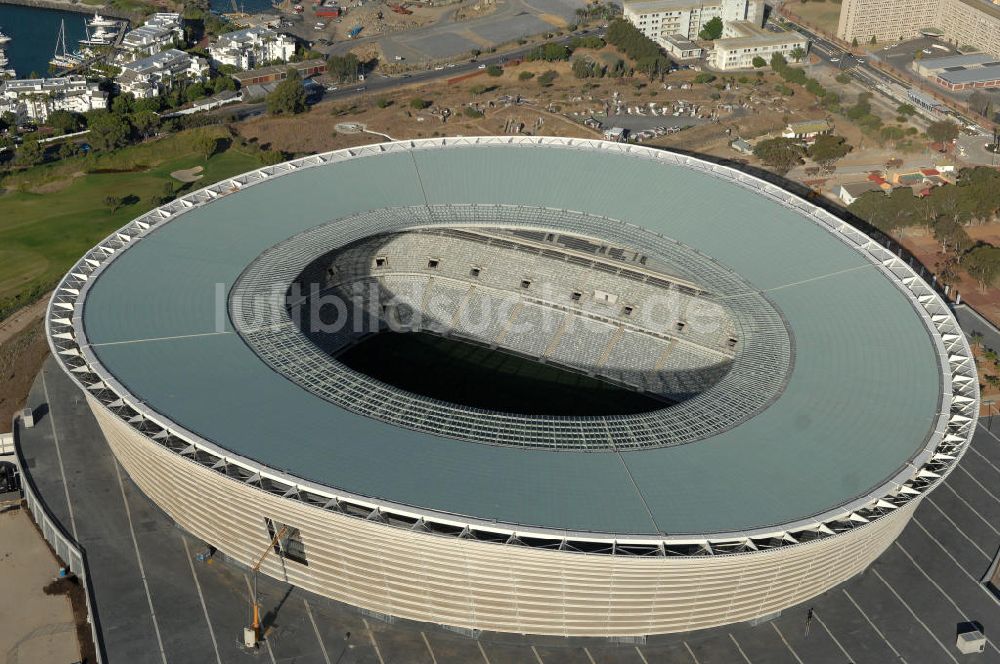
531, 385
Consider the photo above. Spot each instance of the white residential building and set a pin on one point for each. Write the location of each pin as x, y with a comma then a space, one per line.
33, 99
157, 73
742, 41
658, 19
161, 31
251, 47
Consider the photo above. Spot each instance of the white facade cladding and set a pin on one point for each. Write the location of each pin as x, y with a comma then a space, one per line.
251, 47
161, 31
743, 41
482, 574
157, 73
34, 99
658, 19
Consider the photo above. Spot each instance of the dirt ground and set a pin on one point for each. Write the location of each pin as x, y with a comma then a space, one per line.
21, 357
34, 626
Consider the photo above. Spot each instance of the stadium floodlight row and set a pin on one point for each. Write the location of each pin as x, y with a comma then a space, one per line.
760, 489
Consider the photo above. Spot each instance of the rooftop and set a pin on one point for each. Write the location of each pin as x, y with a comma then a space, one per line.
862, 396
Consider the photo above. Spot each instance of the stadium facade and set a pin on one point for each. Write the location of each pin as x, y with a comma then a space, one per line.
813, 386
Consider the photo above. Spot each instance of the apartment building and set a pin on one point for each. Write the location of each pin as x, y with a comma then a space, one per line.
33, 99
161, 31
742, 41
151, 76
658, 19
963, 22
252, 47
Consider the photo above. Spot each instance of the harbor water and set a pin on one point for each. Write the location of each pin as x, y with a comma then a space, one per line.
33, 34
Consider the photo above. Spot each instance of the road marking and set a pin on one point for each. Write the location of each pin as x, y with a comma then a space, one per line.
690, 652
737, 644
62, 470
973, 509
138, 557
643, 657
954, 560
873, 626
482, 651
267, 642
912, 613
201, 598
961, 613
839, 645
326, 657
590, 658
983, 456
960, 531
371, 636
537, 656
431, 651
980, 484
787, 645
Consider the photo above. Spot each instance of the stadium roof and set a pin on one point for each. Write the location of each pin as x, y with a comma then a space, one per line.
860, 404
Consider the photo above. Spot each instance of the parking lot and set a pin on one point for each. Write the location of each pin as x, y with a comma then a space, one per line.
157, 603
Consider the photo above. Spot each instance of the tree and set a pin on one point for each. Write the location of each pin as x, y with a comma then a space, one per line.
781, 154
891, 134
854, 42
471, 112
123, 104
873, 41
942, 131
419, 104
289, 97
65, 122
382, 102
704, 77
983, 264
343, 67
976, 338
546, 79
778, 62
906, 109
494, 70
711, 30
113, 203
68, 149
108, 130
758, 62
145, 122
525, 75
31, 153
549, 52
951, 235
827, 149
797, 53
206, 144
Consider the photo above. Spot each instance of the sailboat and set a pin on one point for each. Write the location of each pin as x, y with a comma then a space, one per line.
4, 39
62, 58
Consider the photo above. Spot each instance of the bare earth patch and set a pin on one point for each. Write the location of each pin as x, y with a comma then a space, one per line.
34, 626
188, 174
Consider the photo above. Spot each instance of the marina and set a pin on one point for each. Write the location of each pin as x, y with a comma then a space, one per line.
32, 33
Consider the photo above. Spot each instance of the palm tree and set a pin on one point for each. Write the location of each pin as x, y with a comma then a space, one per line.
976, 338
797, 53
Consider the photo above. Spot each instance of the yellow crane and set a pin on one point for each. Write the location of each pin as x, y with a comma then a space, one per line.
251, 634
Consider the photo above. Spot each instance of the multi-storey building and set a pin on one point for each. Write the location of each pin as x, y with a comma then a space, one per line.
962, 22
33, 99
159, 72
161, 31
742, 41
658, 19
252, 47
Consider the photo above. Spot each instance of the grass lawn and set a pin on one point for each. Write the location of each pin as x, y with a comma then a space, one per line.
825, 15
52, 214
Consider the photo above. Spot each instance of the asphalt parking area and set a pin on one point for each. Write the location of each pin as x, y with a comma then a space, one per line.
156, 603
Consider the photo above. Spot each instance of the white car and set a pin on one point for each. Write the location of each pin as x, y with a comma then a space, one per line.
834, 59
926, 50
481, 67
439, 68
861, 61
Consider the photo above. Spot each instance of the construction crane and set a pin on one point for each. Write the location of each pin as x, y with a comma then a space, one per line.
251, 634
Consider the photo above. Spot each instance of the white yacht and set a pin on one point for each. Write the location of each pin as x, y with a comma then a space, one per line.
4, 39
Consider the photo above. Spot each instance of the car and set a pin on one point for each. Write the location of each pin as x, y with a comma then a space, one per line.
481, 67
861, 61
398, 58
361, 88
332, 88
439, 68
450, 65
926, 50
834, 59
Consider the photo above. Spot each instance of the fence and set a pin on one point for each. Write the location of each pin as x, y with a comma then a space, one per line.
61, 541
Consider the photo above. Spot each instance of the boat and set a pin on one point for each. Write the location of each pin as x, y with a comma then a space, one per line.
101, 22
5, 71
4, 39
62, 58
